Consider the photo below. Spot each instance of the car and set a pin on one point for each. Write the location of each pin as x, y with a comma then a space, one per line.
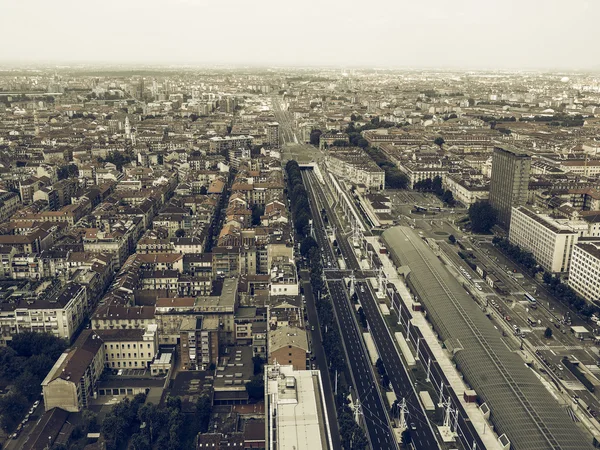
413, 426
31, 411
362, 289
14, 435
36, 403
312, 328
314, 366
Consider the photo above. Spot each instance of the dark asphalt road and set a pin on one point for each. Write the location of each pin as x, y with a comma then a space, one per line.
365, 385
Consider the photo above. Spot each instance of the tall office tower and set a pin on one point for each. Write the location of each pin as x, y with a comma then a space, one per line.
141, 90
510, 182
273, 134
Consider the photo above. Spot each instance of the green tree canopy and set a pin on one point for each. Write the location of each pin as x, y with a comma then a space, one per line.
483, 217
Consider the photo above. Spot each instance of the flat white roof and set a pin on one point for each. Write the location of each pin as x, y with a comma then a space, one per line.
300, 425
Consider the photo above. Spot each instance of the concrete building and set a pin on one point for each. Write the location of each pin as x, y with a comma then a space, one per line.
356, 166
584, 273
288, 345
130, 347
550, 240
73, 378
59, 313
284, 279
199, 342
273, 134
296, 414
509, 183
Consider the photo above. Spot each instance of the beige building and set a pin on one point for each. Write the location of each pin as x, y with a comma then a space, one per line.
356, 167
111, 317
72, 380
584, 273
60, 314
288, 345
131, 348
550, 240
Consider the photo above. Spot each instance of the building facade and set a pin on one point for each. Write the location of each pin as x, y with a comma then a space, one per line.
584, 273
510, 182
550, 240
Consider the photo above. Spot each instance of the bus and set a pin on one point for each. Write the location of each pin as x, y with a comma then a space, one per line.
532, 301
531, 321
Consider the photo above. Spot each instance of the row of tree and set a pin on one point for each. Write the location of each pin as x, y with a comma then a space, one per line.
137, 425
561, 291
568, 296
518, 255
24, 364
119, 159
435, 186
394, 179
298, 198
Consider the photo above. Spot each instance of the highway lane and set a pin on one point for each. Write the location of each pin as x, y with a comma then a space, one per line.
422, 436
367, 389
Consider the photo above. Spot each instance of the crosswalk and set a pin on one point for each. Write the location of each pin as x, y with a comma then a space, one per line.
574, 385
558, 347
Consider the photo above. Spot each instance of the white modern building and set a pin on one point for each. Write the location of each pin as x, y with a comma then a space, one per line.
296, 414
584, 274
550, 240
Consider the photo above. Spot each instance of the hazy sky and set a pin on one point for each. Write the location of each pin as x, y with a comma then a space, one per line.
379, 33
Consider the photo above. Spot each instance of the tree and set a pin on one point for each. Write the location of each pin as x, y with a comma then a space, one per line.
203, 190
89, 420
362, 143
66, 171
257, 212
448, 197
315, 137
548, 333
483, 217
439, 141
180, 233
436, 185
307, 243
258, 364
203, 410
12, 409
452, 239
256, 388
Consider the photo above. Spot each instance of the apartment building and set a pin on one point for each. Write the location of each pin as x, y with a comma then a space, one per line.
199, 342
584, 273
59, 312
72, 380
129, 347
422, 171
550, 240
355, 166
284, 278
119, 317
288, 345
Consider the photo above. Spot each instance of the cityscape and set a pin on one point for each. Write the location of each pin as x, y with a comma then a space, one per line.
230, 244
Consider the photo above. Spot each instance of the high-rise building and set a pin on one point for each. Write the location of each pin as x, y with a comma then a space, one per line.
273, 134
510, 182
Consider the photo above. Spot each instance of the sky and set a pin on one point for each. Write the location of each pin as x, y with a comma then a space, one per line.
450, 34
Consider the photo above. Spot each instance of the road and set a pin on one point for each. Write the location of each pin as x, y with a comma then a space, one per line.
423, 437
320, 360
374, 410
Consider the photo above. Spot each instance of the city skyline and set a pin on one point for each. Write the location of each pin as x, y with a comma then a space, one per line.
462, 35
